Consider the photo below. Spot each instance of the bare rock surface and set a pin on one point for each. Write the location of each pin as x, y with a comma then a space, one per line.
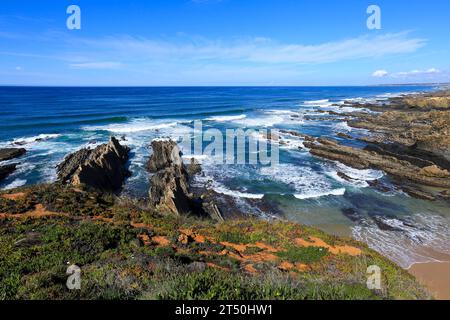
165, 154
170, 185
102, 168
11, 153
6, 170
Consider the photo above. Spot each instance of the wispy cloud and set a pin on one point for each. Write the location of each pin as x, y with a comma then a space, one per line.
417, 73
102, 65
408, 74
262, 50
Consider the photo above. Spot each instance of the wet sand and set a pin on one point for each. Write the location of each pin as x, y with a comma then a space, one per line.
435, 276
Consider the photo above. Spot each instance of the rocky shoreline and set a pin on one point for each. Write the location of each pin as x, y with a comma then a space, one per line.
409, 140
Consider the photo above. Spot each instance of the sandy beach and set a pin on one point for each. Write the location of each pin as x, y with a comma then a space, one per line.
435, 276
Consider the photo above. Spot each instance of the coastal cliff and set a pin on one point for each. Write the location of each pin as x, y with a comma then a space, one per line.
130, 249
180, 243
127, 250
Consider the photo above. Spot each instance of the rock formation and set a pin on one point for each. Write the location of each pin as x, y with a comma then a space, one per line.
6, 170
170, 189
409, 140
8, 154
102, 168
165, 154
11, 153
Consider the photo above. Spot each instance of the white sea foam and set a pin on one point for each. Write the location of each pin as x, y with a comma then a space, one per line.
27, 140
315, 194
237, 194
15, 184
261, 121
133, 126
408, 242
343, 126
359, 177
281, 112
270, 118
227, 118
209, 182
305, 182
317, 102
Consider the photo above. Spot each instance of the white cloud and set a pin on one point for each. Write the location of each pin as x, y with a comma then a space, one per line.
96, 65
417, 73
380, 74
259, 50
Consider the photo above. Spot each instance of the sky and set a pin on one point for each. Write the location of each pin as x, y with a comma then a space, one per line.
223, 43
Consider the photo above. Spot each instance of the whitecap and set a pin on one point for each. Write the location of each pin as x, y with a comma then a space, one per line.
37, 138
343, 126
207, 181
226, 118
318, 194
359, 177
15, 184
408, 241
134, 126
317, 102
261, 121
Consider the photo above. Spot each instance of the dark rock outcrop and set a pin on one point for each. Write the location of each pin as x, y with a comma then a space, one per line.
11, 153
170, 185
403, 172
169, 191
165, 154
102, 168
6, 170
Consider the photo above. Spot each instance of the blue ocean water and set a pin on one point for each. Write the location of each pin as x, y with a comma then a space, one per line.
51, 122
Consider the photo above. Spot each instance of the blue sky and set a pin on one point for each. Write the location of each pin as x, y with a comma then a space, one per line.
223, 42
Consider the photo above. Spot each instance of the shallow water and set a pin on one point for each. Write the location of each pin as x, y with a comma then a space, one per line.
51, 122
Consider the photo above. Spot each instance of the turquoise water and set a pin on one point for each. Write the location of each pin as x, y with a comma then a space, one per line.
51, 122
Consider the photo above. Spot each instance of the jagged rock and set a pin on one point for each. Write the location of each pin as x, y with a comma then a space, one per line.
403, 172
210, 205
165, 154
102, 168
352, 214
11, 153
71, 164
6, 170
344, 176
193, 168
435, 171
169, 191
344, 135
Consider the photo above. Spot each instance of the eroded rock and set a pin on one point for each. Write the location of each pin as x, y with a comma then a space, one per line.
101, 168
11, 153
6, 170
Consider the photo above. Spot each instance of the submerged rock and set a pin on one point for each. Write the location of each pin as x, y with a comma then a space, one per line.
6, 170
101, 168
11, 153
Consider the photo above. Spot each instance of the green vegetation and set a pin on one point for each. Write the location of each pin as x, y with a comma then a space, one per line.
303, 254
126, 251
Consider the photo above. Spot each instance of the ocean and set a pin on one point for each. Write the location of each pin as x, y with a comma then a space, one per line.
51, 122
